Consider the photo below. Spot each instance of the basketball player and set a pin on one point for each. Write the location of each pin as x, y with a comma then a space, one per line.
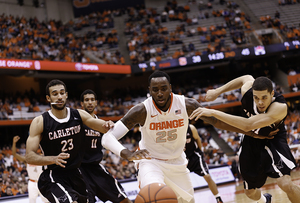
163, 118
264, 111
33, 174
99, 181
196, 162
59, 132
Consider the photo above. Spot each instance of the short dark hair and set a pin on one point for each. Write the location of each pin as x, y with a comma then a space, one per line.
54, 83
262, 83
88, 91
158, 74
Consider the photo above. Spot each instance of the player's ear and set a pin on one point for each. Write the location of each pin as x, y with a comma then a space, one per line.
48, 98
272, 93
67, 95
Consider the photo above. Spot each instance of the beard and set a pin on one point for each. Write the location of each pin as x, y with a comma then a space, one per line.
163, 106
87, 110
58, 108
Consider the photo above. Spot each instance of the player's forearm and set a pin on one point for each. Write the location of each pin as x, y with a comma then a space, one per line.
35, 159
234, 84
222, 125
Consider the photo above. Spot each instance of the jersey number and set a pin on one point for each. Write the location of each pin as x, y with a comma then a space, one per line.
94, 143
67, 145
164, 136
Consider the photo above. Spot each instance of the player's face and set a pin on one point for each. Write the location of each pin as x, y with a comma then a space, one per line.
160, 90
262, 99
89, 103
58, 97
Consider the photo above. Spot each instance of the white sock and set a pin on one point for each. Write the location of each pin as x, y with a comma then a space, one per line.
217, 195
262, 199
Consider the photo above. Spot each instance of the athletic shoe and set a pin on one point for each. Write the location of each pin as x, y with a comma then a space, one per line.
219, 200
268, 197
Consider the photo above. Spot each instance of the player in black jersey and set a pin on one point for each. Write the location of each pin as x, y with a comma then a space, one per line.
196, 161
59, 132
99, 181
264, 111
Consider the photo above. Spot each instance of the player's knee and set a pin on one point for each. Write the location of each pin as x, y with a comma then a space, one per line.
285, 183
250, 193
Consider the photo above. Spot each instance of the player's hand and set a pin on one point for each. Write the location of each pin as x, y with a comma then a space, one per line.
211, 95
60, 159
201, 111
16, 139
137, 155
256, 136
108, 125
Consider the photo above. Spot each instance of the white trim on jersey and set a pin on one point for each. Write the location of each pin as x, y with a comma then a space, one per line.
63, 120
201, 164
273, 164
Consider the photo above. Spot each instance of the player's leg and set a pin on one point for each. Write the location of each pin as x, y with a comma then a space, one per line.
149, 172
178, 178
102, 184
213, 187
33, 191
286, 184
60, 187
198, 165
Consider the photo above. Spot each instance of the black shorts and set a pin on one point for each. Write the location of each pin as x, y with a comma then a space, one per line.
64, 186
197, 164
260, 159
101, 183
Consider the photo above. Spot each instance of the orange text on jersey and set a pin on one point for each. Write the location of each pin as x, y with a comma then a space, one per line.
166, 124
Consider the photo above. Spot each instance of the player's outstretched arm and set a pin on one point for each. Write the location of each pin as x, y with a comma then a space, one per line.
14, 149
192, 105
96, 124
136, 115
32, 145
234, 84
277, 111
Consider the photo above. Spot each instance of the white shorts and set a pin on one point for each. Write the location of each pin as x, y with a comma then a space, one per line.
33, 192
173, 173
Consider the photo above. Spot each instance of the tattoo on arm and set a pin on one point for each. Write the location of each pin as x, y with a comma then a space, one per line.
136, 115
211, 120
191, 105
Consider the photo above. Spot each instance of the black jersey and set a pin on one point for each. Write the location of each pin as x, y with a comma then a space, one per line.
190, 145
250, 109
63, 135
92, 146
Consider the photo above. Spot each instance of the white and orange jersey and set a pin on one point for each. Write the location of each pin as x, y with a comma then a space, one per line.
34, 172
164, 133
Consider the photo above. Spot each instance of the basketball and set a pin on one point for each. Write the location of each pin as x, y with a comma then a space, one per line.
156, 193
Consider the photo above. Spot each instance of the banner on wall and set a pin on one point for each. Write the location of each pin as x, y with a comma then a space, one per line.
63, 66
85, 7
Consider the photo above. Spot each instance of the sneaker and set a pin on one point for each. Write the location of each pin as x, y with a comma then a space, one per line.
268, 197
219, 200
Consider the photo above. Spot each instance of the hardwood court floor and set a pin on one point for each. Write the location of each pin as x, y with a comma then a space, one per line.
234, 193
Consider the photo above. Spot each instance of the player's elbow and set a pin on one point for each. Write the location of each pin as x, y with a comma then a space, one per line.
246, 128
105, 139
248, 78
28, 158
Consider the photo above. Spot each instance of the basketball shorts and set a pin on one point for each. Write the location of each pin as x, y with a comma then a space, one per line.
63, 186
101, 183
173, 173
260, 160
197, 164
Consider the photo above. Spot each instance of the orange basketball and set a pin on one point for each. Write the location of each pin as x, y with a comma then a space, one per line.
156, 193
